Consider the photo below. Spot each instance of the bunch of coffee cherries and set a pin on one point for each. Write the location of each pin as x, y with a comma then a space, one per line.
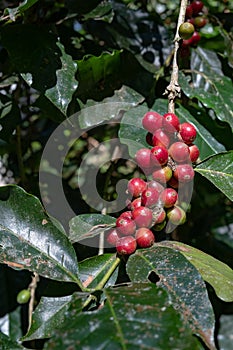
167, 164
195, 20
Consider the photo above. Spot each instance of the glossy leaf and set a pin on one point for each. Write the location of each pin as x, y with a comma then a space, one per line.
93, 114
61, 94
103, 11
86, 226
136, 316
6, 343
213, 271
93, 269
29, 239
219, 170
182, 282
210, 86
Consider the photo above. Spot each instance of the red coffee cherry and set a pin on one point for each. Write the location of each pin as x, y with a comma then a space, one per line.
144, 237
156, 185
194, 153
136, 186
137, 202
160, 138
159, 155
126, 214
189, 11
194, 40
142, 158
149, 139
197, 6
169, 197
112, 237
179, 152
171, 122
125, 226
142, 216
173, 182
149, 197
126, 245
186, 30
162, 174
184, 173
151, 121
187, 132
200, 21
159, 217
176, 215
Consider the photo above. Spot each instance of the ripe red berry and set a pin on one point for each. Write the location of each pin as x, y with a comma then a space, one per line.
136, 186
160, 138
156, 185
112, 237
197, 6
171, 122
194, 40
200, 21
142, 158
162, 174
144, 237
159, 155
186, 30
126, 245
194, 153
168, 197
159, 217
189, 11
176, 215
188, 132
126, 214
125, 226
179, 151
149, 197
151, 121
142, 216
173, 182
149, 139
137, 202
184, 173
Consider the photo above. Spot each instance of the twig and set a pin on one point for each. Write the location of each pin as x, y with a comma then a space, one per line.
173, 89
32, 286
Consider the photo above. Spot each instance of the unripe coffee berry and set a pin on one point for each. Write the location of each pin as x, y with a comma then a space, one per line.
186, 30
200, 22
23, 296
136, 186
176, 215
144, 237
126, 245
163, 174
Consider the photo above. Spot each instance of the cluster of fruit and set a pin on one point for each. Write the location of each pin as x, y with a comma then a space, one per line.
167, 165
189, 30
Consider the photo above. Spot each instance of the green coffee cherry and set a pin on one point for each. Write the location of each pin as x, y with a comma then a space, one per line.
23, 296
186, 30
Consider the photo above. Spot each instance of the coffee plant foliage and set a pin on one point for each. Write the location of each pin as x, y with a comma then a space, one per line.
77, 80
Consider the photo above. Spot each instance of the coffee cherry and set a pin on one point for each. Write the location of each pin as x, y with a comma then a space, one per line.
159, 155
169, 197
142, 216
156, 185
152, 121
159, 217
142, 158
144, 237
149, 197
171, 122
200, 21
23, 296
125, 226
176, 215
184, 173
126, 214
194, 153
126, 245
159, 138
189, 11
173, 182
179, 152
112, 237
149, 139
163, 174
136, 186
197, 6
137, 202
160, 226
194, 40
186, 30
187, 132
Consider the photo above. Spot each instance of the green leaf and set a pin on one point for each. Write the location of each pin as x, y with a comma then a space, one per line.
102, 11
8, 344
218, 169
94, 113
137, 316
93, 269
213, 271
183, 283
61, 94
48, 316
29, 239
86, 226
210, 86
